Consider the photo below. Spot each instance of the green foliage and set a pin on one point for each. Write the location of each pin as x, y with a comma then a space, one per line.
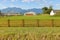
44, 9
47, 10
0, 13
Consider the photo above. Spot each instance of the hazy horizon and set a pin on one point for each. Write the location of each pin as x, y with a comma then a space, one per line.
29, 4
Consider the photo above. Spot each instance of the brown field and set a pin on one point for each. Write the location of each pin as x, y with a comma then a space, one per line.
45, 23
57, 22
30, 36
29, 33
15, 23
3, 23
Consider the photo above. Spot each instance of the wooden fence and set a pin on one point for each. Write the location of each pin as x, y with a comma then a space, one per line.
30, 23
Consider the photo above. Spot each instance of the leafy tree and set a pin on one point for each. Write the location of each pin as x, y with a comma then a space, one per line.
47, 10
0, 13
44, 9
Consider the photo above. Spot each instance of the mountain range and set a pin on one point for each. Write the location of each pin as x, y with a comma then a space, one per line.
19, 10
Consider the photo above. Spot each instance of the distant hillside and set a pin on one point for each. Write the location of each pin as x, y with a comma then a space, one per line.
19, 10
35, 10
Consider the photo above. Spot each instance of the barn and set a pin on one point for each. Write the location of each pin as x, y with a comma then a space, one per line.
11, 14
57, 12
30, 13
52, 13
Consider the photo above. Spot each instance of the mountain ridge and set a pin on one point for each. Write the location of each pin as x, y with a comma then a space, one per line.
19, 10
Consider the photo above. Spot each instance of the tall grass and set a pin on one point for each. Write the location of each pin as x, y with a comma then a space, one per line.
30, 36
29, 33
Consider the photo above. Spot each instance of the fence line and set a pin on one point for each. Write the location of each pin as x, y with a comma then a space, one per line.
38, 22
31, 23
8, 23
52, 22
23, 22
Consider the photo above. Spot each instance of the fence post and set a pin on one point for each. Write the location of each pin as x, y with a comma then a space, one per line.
38, 22
8, 23
23, 22
52, 22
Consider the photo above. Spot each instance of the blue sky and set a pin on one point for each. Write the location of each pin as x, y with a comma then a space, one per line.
29, 4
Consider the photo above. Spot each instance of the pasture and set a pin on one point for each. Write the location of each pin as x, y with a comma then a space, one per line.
30, 21
43, 16
45, 32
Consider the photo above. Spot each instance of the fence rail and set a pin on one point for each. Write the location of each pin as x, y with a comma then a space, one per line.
30, 23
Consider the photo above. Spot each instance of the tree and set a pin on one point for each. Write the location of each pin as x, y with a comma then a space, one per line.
50, 8
44, 9
0, 13
47, 10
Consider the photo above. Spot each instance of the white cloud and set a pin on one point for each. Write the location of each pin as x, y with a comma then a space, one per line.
47, 2
2, 6
11, 5
9, 0
57, 4
14, 0
29, 0
44, 1
3, 1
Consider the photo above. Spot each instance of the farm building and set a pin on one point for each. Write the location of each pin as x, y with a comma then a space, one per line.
52, 13
30, 13
55, 12
11, 14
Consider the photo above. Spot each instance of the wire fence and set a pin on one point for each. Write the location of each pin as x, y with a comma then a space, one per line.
30, 23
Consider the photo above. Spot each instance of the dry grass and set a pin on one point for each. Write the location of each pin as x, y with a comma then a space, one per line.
3, 23
30, 36
45, 23
30, 23
16, 23
30, 33
57, 23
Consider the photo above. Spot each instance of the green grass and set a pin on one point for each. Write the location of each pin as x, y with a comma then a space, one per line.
30, 31
45, 20
31, 17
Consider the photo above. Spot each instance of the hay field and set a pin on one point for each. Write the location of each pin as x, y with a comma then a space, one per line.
29, 33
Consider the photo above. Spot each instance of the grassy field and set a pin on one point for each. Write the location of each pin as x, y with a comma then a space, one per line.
29, 33
44, 20
30, 17
37, 30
